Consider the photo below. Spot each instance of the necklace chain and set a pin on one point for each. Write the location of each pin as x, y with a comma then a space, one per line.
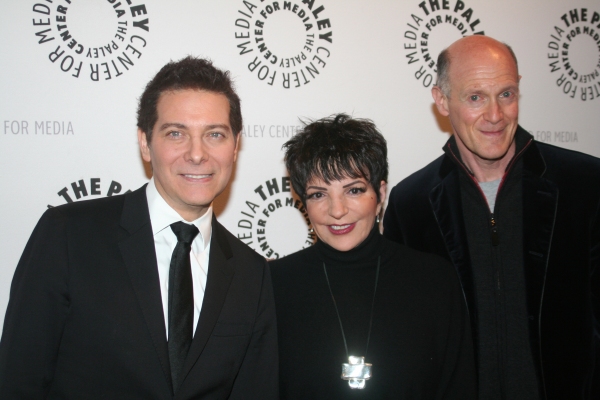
338, 313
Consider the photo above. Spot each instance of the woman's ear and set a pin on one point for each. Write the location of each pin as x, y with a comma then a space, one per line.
382, 193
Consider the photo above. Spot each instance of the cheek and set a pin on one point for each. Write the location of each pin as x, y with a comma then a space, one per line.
313, 213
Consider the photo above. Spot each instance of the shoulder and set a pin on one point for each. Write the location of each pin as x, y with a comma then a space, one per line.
238, 249
421, 181
427, 268
290, 264
561, 161
100, 210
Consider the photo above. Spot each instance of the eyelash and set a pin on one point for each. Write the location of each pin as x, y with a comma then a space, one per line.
352, 191
359, 190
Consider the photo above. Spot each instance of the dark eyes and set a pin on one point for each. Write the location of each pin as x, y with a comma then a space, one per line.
357, 190
315, 195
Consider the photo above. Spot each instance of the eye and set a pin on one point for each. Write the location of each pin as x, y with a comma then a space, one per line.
174, 134
357, 190
474, 97
216, 135
506, 94
315, 195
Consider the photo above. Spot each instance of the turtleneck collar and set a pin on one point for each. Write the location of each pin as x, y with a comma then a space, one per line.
365, 252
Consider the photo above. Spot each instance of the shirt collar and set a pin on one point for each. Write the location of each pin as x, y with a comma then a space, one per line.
162, 215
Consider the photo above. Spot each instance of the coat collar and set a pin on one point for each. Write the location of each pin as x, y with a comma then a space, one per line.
137, 250
525, 148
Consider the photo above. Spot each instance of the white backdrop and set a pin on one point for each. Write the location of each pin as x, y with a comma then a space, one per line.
72, 71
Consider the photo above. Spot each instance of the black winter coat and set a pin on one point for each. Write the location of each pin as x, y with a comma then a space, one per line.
561, 233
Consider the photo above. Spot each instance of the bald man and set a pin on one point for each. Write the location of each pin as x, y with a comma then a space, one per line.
520, 222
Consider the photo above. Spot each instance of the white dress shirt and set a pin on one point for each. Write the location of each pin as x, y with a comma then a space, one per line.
161, 218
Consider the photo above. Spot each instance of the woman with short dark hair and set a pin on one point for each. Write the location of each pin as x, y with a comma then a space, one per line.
360, 316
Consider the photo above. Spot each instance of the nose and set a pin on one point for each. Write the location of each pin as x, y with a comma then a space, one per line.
494, 113
337, 207
195, 153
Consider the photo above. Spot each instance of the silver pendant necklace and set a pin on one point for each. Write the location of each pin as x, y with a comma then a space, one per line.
355, 371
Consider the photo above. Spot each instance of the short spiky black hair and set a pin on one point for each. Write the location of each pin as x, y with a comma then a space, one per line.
335, 148
187, 73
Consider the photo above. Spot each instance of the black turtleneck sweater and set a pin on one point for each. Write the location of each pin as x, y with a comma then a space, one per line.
420, 344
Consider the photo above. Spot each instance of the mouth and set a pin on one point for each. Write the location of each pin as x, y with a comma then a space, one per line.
341, 229
494, 131
195, 177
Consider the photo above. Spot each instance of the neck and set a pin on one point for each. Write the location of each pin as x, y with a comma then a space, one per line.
485, 170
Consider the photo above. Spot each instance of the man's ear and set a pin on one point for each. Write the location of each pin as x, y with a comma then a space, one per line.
144, 146
441, 101
237, 146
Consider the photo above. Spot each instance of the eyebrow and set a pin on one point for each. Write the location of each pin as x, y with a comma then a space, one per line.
352, 183
345, 186
183, 126
172, 125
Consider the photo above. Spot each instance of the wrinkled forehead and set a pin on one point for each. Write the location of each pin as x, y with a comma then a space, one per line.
491, 69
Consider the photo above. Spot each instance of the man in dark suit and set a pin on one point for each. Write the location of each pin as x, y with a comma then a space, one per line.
520, 222
146, 295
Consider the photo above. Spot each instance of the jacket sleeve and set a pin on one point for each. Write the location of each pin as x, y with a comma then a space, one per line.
36, 313
595, 295
258, 377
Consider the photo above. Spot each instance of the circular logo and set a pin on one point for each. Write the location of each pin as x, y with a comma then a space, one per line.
86, 189
274, 222
99, 40
436, 25
575, 54
287, 44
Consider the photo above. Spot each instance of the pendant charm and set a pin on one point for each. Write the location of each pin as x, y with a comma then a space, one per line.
356, 372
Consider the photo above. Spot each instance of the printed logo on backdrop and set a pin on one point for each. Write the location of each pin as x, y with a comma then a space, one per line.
286, 43
551, 136
41, 128
435, 26
86, 189
253, 131
97, 40
272, 221
574, 54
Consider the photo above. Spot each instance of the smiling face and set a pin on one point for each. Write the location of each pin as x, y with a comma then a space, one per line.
343, 212
483, 103
193, 149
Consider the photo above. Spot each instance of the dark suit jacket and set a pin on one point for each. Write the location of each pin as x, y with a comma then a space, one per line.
561, 232
85, 318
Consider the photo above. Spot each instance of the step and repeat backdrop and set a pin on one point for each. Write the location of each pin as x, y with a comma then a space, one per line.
72, 71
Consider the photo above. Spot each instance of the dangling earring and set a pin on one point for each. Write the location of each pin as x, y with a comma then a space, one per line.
377, 220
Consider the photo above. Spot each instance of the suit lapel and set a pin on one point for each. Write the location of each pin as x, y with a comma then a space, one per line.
540, 204
220, 274
139, 256
446, 204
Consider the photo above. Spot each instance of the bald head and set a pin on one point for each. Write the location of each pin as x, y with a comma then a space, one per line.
470, 47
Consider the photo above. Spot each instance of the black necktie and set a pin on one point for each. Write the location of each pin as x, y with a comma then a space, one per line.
181, 300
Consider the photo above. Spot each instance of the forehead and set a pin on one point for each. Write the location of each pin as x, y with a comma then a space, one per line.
192, 103
478, 68
343, 180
